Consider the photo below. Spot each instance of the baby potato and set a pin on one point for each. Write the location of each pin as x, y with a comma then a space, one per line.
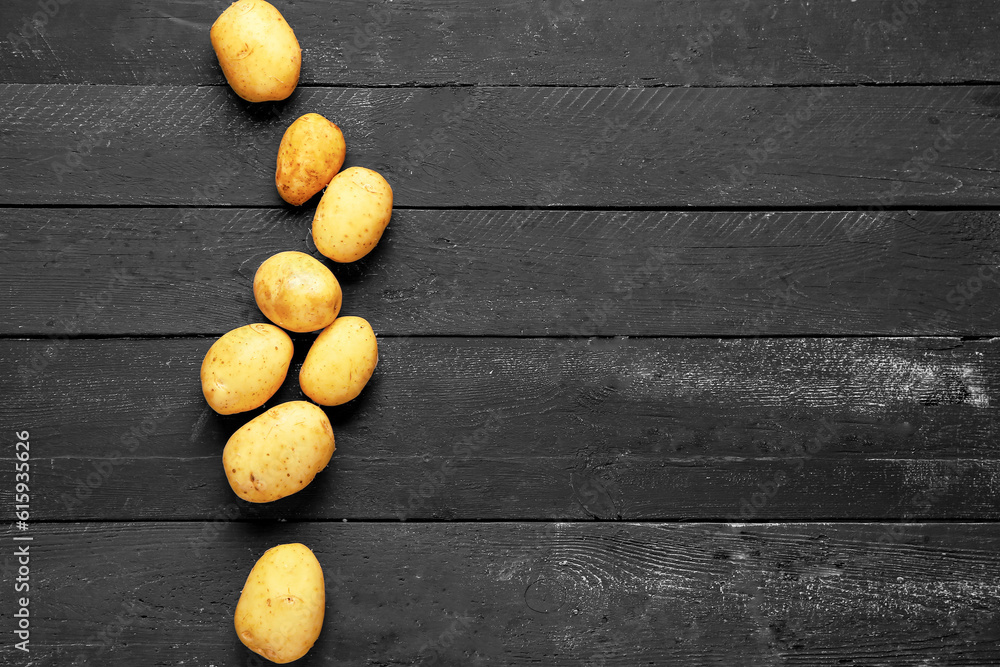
352, 214
312, 150
279, 452
257, 50
281, 608
340, 361
297, 292
245, 367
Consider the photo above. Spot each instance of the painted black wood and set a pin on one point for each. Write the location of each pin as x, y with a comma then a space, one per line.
486, 428
579, 273
515, 147
811, 595
535, 419
513, 42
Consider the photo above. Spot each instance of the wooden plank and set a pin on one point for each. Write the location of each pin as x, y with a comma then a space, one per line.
515, 147
535, 428
513, 42
811, 595
582, 273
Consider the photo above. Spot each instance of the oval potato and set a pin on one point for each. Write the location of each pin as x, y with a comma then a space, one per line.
245, 367
311, 152
353, 213
340, 361
279, 452
297, 292
281, 608
257, 50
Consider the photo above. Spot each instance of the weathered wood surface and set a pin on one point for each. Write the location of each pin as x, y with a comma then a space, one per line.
492, 272
515, 147
812, 595
517, 428
513, 42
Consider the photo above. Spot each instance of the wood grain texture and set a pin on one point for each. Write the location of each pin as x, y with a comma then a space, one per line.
581, 273
515, 147
512, 594
536, 429
513, 42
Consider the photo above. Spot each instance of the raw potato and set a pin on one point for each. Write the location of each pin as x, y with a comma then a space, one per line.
297, 292
352, 214
257, 50
245, 367
279, 452
281, 608
312, 151
340, 362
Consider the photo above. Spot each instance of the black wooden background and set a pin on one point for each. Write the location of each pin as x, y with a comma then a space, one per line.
687, 318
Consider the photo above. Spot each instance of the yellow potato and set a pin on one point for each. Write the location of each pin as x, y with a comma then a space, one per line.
312, 150
297, 292
245, 367
340, 362
352, 214
281, 608
257, 50
279, 452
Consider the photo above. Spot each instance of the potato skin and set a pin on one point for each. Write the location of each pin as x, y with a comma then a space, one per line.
281, 608
297, 292
245, 367
353, 213
340, 362
257, 50
312, 151
279, 452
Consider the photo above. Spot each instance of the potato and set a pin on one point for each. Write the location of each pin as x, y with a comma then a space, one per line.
297, 292
279, 452
245, 367
340, 362
257, 50
281, 608
312, 150
352, 214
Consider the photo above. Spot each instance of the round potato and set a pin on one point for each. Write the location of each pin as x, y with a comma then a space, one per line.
279, 452
281, 609
340, 361
257, 50
297, 292
312, 151
352, 214
245, 367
